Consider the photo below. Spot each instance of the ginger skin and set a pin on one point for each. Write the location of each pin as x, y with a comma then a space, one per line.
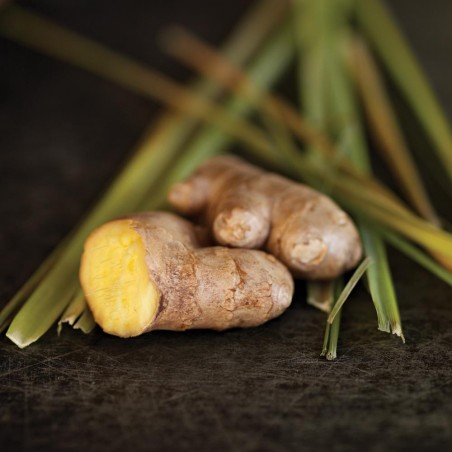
246, 207
150, 272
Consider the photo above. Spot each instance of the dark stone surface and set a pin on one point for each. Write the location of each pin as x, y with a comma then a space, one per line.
63, 134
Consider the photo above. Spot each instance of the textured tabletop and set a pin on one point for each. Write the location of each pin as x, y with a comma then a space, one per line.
63, 135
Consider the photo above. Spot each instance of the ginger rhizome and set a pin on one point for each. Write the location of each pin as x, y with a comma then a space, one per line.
151, 271
246, 207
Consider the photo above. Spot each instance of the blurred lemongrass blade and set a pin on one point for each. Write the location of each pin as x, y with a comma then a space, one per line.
280, 115
329, 349
212, 139
320, 294
419, 231
392, 48
40, 33
417, 255
344, 123
357, 274
381, 285
74, 49
127, 192
86, 322
24, 292
385, 128
73, 311
277, 114
46, 36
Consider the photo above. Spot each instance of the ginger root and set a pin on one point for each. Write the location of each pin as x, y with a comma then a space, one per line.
249, 208
150, 272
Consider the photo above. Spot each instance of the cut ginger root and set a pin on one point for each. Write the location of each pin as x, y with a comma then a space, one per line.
246, 207
150, 271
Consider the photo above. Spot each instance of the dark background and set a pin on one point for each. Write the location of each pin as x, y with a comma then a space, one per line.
63, 134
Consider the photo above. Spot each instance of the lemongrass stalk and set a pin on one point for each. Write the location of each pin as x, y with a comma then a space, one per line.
279, 114
417, 255
329, 349
13, 305
386, 129
86, 322
379, 276
131, 187
351, 284
320, 294
169, 92
392, 48
214, 138
343, 121
73, 311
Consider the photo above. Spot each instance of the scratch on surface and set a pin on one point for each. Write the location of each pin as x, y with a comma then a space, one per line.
53, 358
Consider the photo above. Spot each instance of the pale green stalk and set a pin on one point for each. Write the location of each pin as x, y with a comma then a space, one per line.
73, 311
340, 117
331, 337
357, 274
417, 255
86, 322
392, 48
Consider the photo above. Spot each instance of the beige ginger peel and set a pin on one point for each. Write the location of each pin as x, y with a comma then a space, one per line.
150, 271
247, 207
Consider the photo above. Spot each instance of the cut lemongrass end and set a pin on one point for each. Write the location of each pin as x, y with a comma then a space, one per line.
73, 311
329, 350
86, 322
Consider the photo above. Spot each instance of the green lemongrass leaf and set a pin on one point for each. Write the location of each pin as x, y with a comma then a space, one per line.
326, 339
343, 122
73, 311
213, 138
133, 185
70, 47
352, 138
86, 322
391, 46
278, 114
386, 129
358, 273
381, 285
37, 315
417, 255
331, 351
320, 294
8, 311
331, 337
421, 232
